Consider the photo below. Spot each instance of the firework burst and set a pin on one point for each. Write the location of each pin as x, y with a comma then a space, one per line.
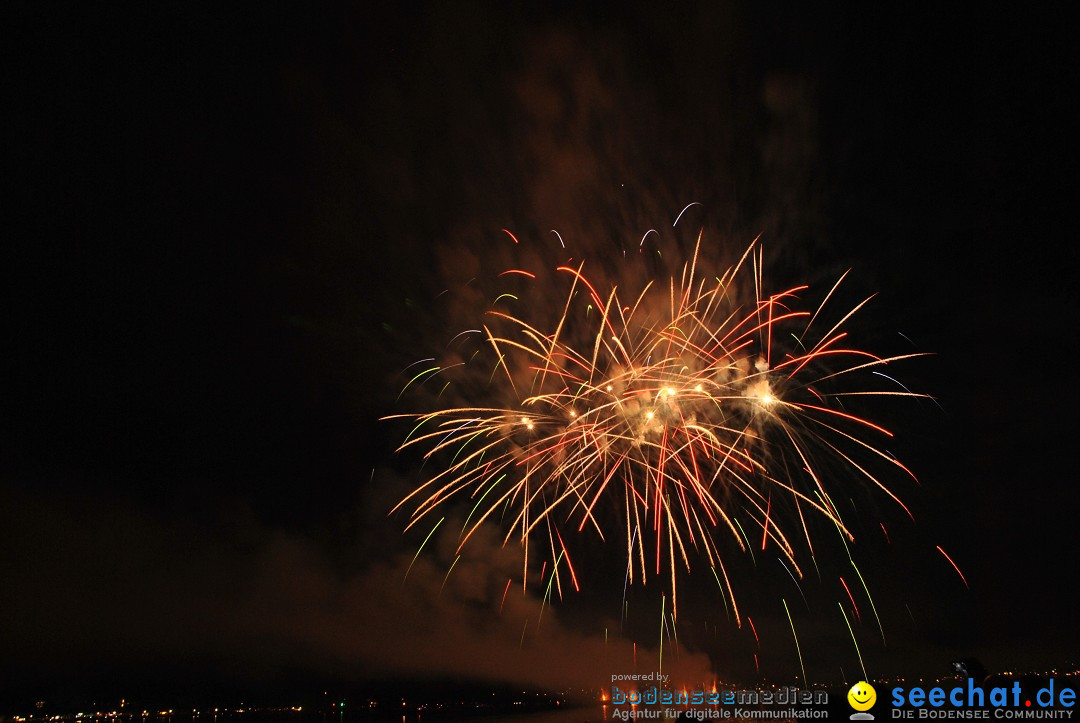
699, 416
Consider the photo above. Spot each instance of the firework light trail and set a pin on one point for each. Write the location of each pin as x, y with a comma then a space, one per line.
696, 416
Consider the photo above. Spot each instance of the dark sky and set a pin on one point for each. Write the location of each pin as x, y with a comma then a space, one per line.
228, 231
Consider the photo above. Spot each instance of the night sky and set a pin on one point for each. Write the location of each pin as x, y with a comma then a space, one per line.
227, 232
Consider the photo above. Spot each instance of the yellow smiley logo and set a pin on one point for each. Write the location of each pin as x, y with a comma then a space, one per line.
862, 696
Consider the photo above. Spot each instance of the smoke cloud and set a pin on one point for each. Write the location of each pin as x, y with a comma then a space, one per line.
129, 586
